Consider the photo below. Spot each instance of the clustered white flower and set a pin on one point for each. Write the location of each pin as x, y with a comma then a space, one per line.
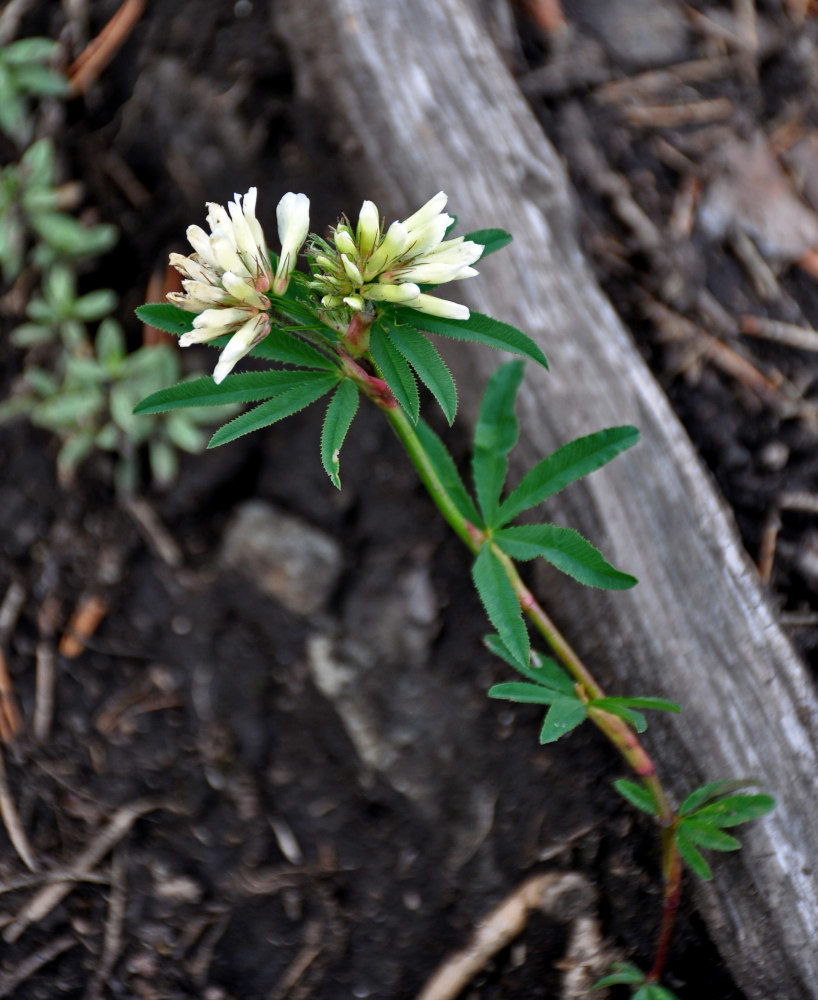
228, 278
368, 265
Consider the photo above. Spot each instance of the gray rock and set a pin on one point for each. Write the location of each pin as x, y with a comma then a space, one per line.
293, 562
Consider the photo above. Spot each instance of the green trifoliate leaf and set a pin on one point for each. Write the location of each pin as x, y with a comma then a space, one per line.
528, 694
630, 715
622, 973
566, 465
566, 549
478, 329
692, 856
340, 413
494, 436
395, 371
95, 304
281, 406
67, 235
447, 473
637, 795
167, 317
657, 704
243, 387
736, 809
501, 604
428, 364
490, 239
564, 715
708, 836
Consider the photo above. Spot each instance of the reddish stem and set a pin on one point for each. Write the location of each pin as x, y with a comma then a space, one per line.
673, 894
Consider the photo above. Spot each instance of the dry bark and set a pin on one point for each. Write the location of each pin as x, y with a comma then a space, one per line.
421, 87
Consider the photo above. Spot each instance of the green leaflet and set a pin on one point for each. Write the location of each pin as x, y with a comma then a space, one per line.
340, 413
501, 603
395, 371
542, 669
428, 364
494, 436
564, 715
712, 790
283, 405
477, 328
637, 795
528, 694
244, 387
491, 240
692, 856
571, 462
167, 317
446, 471
735, 809
566, 549
623, 972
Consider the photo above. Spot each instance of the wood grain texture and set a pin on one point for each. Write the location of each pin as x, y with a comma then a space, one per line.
421, 87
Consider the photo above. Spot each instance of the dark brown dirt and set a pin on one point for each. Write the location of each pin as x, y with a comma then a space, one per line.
271, 841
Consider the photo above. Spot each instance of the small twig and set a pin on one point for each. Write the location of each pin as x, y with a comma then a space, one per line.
766, 548
44, 901
10, 609
85, 620
204, 953
55, 875
683, 216
46, 670
562, 895
154, 532
11, 721
35, 961
11, 820
802, 337
714, 109
802, 500
760, 273
657, 81
112, 937
90, 63
309, 951
13, 12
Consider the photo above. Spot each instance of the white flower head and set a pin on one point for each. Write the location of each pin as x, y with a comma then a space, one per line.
227, 279
364, 265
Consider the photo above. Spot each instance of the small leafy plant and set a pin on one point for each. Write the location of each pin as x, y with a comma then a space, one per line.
357, 323
83, 384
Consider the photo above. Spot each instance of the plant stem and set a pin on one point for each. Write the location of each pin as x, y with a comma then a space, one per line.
618, 732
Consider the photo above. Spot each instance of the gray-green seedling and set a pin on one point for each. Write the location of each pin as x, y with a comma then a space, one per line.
356, 325
77, 381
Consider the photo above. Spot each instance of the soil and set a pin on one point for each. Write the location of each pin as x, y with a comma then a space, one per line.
271, 851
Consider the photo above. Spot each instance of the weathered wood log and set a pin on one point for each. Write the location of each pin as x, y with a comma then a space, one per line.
420, 85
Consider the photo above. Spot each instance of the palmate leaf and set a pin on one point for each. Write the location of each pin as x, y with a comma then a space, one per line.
283, 405
395, 371
167, 317
637, 795
283, 346
340, 413
564, 715
494, 436
501, 604
245, 387
446, 470
428, 364
566, 549
490, 239
477, 328
566, 465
